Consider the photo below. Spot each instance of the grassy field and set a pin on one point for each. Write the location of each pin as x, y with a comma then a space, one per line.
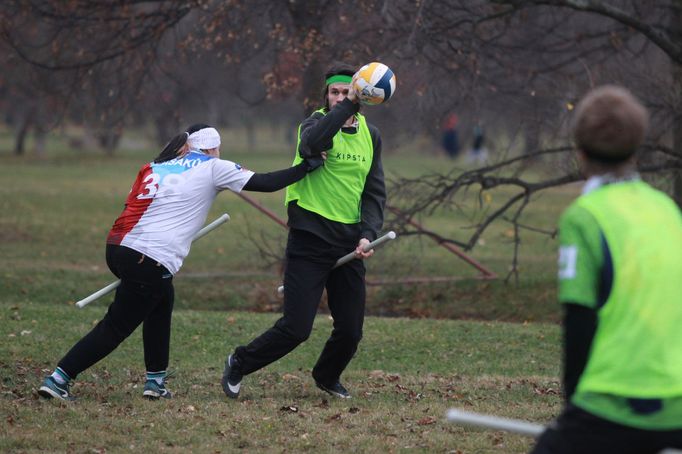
58, 209
406, 375
486, 346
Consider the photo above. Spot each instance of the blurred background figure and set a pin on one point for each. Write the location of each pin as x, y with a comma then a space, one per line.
478, 153
450, 138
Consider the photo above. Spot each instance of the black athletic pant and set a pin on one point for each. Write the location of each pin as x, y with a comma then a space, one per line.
308, 272
579, 432
144, 296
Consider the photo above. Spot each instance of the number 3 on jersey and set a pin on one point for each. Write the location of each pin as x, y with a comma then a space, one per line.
151, 186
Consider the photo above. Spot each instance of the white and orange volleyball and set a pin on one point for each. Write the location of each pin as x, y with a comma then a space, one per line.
374, 83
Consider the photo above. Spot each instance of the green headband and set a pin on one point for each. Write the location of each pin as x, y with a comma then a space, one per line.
342, 78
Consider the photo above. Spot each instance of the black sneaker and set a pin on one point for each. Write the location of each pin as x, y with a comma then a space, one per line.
232, 377
335, 389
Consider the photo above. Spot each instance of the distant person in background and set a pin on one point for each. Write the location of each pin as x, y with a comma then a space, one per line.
166, 207
450, 137
620, 283
478, 153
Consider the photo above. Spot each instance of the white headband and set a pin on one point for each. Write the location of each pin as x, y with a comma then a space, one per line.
204, 139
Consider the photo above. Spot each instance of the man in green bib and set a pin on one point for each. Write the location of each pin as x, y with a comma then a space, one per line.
339, 211
620, 283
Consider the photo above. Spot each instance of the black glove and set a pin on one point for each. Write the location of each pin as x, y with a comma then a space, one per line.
304, 150
311, 164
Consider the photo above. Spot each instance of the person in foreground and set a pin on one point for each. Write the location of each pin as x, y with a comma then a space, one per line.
336, 210
620, 283
166, 207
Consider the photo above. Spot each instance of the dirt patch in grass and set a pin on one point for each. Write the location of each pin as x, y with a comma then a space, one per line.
11, 233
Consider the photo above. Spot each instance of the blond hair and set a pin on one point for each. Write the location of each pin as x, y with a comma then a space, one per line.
610, 124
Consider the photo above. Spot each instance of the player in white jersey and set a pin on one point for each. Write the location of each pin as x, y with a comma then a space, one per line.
147, 244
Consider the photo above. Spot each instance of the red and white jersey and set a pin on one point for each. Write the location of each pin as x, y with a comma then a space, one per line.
169, 202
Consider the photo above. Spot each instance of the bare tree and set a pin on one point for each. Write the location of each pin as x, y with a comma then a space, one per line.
534, 60
93, 53
655, 22
121, 55
517, 66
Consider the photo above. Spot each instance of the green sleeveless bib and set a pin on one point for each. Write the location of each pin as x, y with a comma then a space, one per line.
334, 190
637, 348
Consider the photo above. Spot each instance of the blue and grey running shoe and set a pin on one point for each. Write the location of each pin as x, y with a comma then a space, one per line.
152, 390
50, 388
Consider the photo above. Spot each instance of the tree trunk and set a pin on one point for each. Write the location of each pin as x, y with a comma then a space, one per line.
677, 135
108, 139
308, 16
21, 137
676, 26
22, 131
40, 145
166, 128
251, 141
312, 84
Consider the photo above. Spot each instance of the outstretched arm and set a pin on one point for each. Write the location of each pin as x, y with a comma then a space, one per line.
274, 181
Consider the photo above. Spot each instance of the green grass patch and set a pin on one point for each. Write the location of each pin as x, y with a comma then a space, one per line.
58, 209
406, 375
439, 345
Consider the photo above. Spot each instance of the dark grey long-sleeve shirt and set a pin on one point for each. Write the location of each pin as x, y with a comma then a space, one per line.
317, 134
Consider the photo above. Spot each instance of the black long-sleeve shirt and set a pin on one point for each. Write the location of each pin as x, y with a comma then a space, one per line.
317, 134
274, 181
580, 325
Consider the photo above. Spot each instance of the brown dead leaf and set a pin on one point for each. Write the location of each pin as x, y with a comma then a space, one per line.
324, 403
428, 420
377, 374
336, 417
